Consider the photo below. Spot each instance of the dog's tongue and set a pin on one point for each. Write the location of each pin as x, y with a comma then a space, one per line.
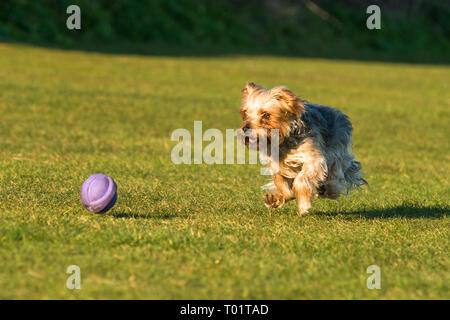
251, 139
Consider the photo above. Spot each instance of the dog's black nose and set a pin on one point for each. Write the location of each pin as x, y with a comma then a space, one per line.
246, 128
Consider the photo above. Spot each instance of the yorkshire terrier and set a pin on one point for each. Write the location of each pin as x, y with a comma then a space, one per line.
314, 141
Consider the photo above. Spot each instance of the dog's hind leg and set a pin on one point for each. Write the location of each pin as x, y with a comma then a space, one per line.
335, 183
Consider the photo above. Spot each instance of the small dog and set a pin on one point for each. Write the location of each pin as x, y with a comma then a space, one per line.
313, 146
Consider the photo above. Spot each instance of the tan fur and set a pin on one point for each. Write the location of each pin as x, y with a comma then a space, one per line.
279, 102
316, 164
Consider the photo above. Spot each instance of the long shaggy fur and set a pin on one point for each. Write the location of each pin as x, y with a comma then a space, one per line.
314, 146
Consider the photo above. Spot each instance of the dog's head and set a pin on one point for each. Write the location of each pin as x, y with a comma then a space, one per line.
264, 110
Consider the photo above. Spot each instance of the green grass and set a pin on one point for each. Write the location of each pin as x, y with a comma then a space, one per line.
202, 231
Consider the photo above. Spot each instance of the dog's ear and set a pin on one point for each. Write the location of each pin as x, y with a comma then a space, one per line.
290, 103
247, 90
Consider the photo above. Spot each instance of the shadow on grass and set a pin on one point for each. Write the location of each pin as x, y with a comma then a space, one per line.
143, 215
179, 51
408, 212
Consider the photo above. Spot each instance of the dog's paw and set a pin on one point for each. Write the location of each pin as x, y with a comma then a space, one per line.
303, 207
273, 200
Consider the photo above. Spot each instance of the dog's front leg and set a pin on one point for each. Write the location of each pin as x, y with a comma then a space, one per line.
282, 193
306, 183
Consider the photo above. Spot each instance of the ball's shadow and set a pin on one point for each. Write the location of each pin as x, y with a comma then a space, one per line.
143, 215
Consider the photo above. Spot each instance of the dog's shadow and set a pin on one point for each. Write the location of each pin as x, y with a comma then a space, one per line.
403, 211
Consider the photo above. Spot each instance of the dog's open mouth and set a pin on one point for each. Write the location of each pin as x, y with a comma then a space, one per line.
252, 140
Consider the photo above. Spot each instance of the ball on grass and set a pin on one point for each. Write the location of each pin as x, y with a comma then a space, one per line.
99, 193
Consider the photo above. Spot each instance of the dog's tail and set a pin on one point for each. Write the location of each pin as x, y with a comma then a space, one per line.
353, 176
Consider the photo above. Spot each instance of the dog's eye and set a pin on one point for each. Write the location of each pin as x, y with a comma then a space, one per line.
265, 115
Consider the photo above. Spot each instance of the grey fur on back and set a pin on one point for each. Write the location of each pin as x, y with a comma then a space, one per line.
333, 125
332, 129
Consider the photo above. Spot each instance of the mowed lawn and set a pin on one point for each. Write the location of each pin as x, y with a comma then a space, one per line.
202, 231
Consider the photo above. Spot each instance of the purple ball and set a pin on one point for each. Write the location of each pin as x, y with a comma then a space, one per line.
99, 193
